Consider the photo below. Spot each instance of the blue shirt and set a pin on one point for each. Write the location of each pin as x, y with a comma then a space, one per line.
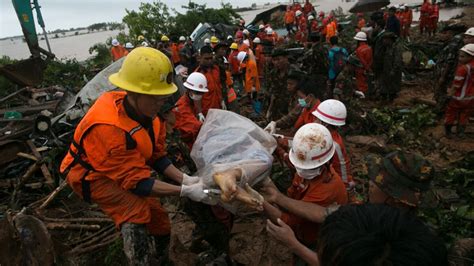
332, 60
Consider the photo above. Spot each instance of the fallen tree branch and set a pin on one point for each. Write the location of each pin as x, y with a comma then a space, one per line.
53, 195
97, 235
56, 226
78, 220
44, 168
105, 242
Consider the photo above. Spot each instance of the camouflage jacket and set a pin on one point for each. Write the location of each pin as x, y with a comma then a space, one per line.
443, 73
314, 60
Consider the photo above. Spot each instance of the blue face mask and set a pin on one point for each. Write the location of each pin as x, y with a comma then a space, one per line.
302, 102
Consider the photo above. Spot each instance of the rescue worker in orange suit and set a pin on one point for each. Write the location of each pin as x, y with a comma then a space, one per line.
261, 32
259, 56
175, 53
460, 106
302, 32
289, 20
360, 21
307, 8
117, 51
187, 122
308, 100
425, 12
315, 182
235, 67
182, 42
434, 17
331, 30
215, 83
248, 66
364, 53
332, 114
406, 22
117, 145
313, 25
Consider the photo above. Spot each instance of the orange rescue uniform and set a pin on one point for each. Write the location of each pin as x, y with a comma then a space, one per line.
186, 121
251, 76
213, 98
323, 190
116, 152
118, 52
461, 105
340, 161
364, 53
306, 116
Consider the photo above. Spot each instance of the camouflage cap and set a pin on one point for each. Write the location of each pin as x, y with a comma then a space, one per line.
401, 175
296, 74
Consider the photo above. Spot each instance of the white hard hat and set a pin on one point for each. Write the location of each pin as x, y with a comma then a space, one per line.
144, 44
332, 112
470, 31
230, 37
115, 42
298, 13
247, 42
310, 17
269, 31
129, 45
468, 48
256, 40
261, 27
241, 56
312, 146
182, 38
246, 32
361, 36
196, 82
207, 40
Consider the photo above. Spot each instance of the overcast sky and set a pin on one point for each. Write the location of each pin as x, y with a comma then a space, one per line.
65, 14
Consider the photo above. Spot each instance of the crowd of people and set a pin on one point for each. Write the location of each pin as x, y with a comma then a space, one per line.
167, 92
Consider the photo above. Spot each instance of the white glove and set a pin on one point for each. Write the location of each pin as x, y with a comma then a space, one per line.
201, 117
223, 105
271, 127
189, 180
194, 192
360, 94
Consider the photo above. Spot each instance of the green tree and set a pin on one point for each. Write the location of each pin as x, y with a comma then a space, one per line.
196, 13
151, 20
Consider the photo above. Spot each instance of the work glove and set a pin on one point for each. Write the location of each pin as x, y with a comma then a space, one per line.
194, 192
254, 89
201, 117
359, 94
224, 107
189, 180
271, 127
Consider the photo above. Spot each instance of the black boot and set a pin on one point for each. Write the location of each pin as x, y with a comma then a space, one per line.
447, 130
162, 244
136, 244
460, 131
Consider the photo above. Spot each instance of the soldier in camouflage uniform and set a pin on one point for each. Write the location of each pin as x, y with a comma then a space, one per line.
345, 84
390, 80
276, 75
398, 179
315, 60
443, 73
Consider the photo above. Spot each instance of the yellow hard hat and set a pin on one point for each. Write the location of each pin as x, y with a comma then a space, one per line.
234, 46
214, 39
140, 38
146, 71
165, 38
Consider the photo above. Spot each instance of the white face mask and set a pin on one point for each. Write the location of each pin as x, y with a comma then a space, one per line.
308, 173
195, 97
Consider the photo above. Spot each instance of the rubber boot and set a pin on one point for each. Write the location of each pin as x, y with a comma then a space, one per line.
447, 130
162, 246
460, 131
136, 244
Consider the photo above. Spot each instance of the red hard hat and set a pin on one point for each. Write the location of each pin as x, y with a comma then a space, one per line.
321, 14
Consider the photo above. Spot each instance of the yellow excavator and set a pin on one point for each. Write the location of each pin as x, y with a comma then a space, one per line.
29, 72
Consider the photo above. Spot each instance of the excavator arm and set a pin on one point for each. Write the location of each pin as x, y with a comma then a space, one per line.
29, 72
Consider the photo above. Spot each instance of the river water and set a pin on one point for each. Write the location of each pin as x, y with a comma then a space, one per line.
77, 46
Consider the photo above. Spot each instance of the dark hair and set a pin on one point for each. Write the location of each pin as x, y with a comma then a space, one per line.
378, 235
205, 50
380, 22
308, 86
314, 37
333, 40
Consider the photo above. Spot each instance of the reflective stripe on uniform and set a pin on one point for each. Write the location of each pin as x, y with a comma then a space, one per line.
342, 162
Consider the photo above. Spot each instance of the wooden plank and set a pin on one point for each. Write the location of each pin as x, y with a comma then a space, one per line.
44, 169
28, 109
13, 94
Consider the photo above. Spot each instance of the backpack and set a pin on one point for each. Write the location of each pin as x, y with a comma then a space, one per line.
339, 60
